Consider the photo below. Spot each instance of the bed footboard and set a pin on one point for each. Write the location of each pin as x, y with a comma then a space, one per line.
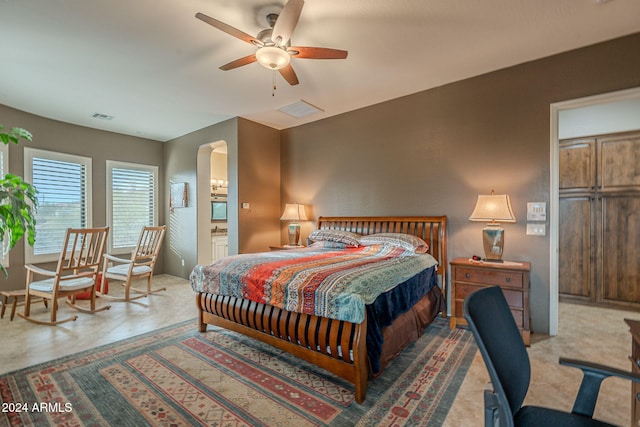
335, 345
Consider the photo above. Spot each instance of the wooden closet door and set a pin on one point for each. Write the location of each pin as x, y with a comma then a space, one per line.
576, 249
620, 250
599, 248
619, 221
576, 232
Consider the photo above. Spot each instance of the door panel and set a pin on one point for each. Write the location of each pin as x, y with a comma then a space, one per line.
620, 249
577, 165
575, 249
619, 163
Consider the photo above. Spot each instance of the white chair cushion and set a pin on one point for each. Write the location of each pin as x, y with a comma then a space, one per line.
123, 269
65, 285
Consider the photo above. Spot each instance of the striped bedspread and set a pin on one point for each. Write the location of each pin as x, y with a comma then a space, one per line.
325, 282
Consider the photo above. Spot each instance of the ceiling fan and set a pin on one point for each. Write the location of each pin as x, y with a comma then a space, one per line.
274, 44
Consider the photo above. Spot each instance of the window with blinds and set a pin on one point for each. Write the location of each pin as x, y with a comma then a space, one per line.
4, 169
64, 199
131, 202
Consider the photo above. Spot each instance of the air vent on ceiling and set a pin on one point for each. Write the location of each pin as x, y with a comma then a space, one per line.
300, 109
102, 116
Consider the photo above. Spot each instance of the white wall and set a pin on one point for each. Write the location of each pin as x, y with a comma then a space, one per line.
611, 117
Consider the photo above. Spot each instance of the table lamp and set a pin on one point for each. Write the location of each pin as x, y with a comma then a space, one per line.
294, 212
493, 208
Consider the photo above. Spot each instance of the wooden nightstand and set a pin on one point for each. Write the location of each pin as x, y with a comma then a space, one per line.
513, 277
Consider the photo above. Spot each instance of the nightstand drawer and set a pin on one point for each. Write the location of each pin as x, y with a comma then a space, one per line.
488, 277
514, 298
464, 289
460, 291
518, 316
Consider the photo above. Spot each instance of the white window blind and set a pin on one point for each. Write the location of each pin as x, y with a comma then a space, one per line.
64, 200
132, 202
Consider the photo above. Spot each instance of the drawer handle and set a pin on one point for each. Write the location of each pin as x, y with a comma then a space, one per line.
508, 279
637, 396
638, 363
467, 275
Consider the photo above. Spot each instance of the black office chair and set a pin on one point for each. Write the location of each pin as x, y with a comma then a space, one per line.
507, 361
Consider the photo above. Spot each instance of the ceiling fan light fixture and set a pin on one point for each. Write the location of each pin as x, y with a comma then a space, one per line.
272, 57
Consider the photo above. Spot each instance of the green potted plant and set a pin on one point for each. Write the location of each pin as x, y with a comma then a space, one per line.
18, 200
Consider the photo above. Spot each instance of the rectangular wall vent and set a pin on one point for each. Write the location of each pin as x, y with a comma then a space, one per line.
300, 109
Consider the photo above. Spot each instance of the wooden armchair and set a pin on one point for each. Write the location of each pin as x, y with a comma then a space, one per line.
76, 272
141, 264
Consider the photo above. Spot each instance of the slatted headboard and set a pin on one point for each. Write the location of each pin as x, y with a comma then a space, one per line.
431, 229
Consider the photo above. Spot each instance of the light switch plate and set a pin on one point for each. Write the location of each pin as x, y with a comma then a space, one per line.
536, 229
536, 211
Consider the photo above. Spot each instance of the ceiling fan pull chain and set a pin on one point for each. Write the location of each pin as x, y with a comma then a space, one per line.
273, 92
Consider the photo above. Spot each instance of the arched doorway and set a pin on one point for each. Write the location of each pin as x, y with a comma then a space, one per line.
216, 180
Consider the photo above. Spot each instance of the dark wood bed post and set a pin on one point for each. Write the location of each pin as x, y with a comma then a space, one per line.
202, 326
362, 369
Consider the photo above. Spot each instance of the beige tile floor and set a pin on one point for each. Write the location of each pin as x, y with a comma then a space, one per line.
598, 335
24, 343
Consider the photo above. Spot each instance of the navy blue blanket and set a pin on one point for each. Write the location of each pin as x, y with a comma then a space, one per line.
389, 305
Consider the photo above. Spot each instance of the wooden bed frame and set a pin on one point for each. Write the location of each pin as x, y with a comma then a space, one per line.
320, 340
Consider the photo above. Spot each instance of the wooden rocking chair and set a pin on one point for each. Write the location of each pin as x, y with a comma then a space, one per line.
76, 272
141, 264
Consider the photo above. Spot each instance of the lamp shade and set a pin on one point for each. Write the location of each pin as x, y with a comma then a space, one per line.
294, 212
493, 208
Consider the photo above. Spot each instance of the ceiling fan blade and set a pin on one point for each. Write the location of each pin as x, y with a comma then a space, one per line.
286, 22
289, 75
317, 52
229, 29
239, 62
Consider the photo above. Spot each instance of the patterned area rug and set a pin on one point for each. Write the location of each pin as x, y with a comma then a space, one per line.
179, 377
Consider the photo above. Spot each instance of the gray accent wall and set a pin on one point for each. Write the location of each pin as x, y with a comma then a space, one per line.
433, 152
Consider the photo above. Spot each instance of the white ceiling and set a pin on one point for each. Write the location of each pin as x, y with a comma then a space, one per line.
154, 67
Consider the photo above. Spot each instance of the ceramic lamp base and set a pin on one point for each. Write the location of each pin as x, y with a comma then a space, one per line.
493, 242
294, 234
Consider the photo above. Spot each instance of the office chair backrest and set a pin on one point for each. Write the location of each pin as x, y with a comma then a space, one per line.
501, 346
